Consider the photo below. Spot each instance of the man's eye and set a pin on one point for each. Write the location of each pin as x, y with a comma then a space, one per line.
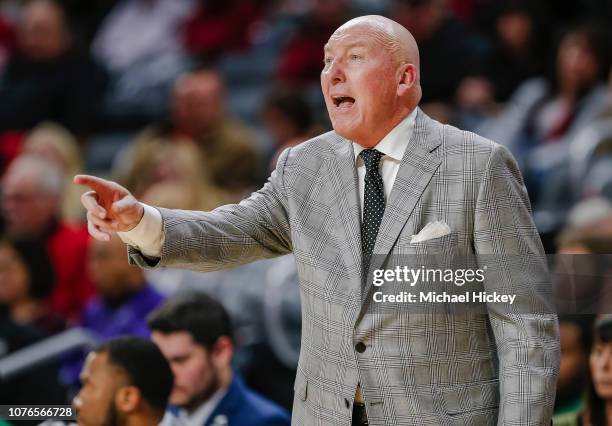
355, 57
328, 60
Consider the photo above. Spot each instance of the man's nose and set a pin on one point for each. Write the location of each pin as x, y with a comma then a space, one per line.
336, 72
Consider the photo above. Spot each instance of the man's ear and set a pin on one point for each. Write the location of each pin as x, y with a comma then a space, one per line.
223, 351
407, 76
127, 399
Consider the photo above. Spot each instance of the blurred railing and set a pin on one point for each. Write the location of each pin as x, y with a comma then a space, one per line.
45, 351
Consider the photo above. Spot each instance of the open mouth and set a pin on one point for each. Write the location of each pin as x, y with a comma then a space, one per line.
343, 101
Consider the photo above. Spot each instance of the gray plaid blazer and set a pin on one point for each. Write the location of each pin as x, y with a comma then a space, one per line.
413, 369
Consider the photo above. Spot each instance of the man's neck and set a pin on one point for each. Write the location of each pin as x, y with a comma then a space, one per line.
143, 419
199, 413
372, 140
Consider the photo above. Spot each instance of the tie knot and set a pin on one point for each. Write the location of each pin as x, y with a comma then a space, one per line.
371, 158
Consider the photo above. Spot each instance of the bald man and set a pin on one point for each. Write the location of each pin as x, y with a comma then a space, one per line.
387, 182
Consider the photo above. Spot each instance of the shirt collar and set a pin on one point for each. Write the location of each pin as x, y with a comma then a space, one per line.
202, 413
395, 142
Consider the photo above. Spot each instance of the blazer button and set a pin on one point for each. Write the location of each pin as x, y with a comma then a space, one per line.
360, 347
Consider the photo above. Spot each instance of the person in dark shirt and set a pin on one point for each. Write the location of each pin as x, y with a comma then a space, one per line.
48, 78
26, 280
448, 50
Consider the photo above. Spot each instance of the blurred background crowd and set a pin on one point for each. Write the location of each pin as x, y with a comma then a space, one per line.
188, 103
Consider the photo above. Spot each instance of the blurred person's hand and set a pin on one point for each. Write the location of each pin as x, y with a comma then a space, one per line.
110, 207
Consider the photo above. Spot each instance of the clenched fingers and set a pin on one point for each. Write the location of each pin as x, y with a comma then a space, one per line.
90, 200
104, 224
97, 233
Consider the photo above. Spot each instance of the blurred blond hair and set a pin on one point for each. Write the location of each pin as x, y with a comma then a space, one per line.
55, 144
171, 174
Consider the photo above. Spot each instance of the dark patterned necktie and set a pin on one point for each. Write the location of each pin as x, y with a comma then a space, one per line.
373, 201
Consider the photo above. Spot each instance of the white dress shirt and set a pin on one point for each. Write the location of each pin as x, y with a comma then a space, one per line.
393, 146
200, 416
148, 235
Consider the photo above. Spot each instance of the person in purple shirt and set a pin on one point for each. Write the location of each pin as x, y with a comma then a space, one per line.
123, 297
122, 302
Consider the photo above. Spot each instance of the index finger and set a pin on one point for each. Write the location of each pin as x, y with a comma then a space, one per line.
94, 182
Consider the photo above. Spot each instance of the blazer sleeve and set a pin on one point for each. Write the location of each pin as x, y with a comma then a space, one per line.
527, 340
231, 235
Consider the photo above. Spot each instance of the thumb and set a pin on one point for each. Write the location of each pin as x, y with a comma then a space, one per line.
124, 204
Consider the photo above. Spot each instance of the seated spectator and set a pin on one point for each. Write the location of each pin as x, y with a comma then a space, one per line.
121, 304
263, 301
444, 44
194, 334
26, 280
288, 118
171, 175
198, 114
139, 43
301, 61
125, 381
32, 191
57, 145
123, 297
48, 78
543, 116
575, 332
520, 44
518, 49
219, 26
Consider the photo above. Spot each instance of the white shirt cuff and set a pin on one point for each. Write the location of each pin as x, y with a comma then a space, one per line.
148, 235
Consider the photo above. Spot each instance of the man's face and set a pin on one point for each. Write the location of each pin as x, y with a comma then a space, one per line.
95, 402
27, 210
195, 375
359, 81
198, 103
42, 35
577, 64
601, 369
109, 268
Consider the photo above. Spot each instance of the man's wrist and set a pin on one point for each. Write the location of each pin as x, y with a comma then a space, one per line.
142, 213
147, 234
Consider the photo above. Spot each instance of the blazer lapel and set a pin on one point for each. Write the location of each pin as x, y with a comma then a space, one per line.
343, 179
416, 169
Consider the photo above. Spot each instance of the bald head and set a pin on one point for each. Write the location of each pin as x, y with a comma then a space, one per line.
370, 79
393, 37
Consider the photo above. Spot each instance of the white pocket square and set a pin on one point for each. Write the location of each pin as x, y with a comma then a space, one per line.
436, 229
